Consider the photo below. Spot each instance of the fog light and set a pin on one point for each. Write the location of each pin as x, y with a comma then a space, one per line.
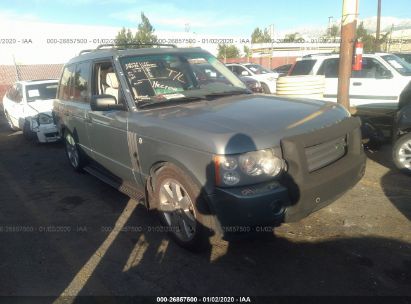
231, 178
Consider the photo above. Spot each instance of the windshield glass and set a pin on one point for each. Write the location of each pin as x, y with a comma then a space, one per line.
178, 76
399, 64
41, 91
257, 69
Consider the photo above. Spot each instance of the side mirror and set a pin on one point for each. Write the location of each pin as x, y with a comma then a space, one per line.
244, 73
104, 103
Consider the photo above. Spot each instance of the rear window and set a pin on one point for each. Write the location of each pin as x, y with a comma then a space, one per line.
303, 67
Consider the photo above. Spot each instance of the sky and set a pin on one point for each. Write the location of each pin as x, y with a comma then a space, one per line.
31, 23
206, 16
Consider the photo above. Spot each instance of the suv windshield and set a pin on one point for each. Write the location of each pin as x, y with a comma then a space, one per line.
257, 69
186, 76
41, 91
399, 64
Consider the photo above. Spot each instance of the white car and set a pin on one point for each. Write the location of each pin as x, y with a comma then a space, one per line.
28, 106
380, 82
267, 78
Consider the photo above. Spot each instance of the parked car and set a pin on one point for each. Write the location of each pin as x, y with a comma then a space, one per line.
382, 79
405, 56
283, 70
402, 133
209, 157
374, 91
28, 106
265, 77
205, 73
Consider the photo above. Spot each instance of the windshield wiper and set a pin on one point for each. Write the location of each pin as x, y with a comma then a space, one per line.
169, 101
228, 93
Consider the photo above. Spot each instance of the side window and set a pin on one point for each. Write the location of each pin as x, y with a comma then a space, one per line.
371, 68
65, 83
329, 68
303, 67
241, 70
105, 81
81, 87
18, 97
11, 94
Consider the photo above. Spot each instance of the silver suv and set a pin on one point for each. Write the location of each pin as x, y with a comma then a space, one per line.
208, 156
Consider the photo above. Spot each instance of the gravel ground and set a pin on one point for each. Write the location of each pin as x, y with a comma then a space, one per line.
57, 238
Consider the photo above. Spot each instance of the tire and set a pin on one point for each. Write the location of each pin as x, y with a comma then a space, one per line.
401, 153
27, 133
266, 90
181, 216
73, 153
11, 126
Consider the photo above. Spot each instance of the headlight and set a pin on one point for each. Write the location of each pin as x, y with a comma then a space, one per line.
261, 162
44, 119
248, 168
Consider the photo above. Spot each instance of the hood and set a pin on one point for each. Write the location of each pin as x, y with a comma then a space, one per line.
236, 124
42, 106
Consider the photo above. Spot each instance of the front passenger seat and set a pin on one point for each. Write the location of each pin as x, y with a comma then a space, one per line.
112, 82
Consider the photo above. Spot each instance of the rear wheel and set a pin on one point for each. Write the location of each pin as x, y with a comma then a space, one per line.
73, 153
402, 153
177, 199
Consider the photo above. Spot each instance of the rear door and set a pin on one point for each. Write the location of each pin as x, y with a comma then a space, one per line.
74, 96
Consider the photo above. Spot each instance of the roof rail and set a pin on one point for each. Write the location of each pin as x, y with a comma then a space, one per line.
124, 46
101, 46
85, 51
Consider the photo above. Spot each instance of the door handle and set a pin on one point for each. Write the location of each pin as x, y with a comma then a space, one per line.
357, 84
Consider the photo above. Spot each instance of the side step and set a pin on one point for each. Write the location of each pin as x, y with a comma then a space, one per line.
115, 182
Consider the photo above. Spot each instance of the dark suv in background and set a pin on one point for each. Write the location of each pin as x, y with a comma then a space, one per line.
209, 156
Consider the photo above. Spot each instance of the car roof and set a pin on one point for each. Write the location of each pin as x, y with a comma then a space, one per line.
100, 53
329, 55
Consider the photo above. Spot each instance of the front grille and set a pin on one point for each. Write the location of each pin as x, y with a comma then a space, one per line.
54, 134
321, 155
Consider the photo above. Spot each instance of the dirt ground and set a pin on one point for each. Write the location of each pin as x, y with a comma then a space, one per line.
57, 238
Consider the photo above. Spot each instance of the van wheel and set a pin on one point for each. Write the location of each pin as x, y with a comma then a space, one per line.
402, 153
266, 90
73, 153
177, 199
11, 126
28, 133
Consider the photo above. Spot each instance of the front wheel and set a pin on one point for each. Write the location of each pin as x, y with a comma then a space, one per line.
177, 199
73, 153
266, 90
11, 126
402, 153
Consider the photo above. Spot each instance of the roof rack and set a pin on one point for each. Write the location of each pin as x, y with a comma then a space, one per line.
124, 46
319, 54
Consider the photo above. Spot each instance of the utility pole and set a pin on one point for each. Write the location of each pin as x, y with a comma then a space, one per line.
330, 24
377, 35
348, 29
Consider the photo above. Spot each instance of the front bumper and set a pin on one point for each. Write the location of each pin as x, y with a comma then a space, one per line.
299, 192
46, 133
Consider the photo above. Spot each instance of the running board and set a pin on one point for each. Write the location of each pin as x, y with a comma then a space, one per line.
118, 184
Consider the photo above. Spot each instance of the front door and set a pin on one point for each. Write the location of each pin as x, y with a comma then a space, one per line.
108, 129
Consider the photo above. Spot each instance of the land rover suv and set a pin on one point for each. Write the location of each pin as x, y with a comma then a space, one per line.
209, 157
